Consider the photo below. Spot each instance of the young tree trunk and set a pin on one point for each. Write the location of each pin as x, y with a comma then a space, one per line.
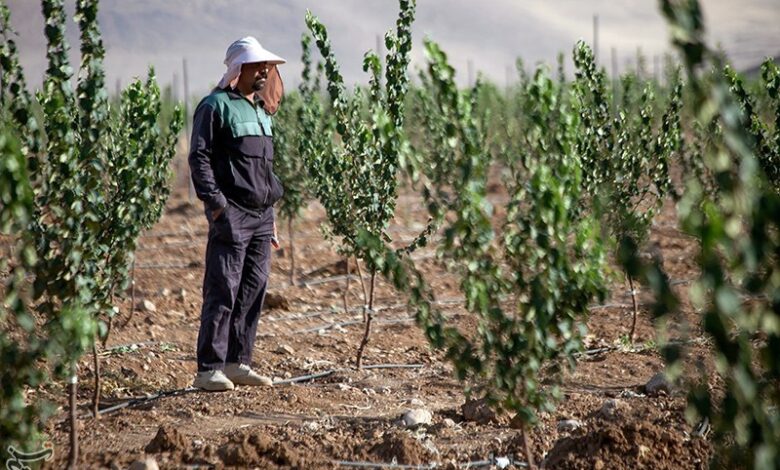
104, 340
291, 236
529, 455
636, 309
73, 456
363, 285
108, 329
132, 288
132, 294
345, 293
369, 317
96, 396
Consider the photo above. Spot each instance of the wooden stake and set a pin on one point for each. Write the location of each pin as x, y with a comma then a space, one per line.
291, 236
73, 456
369, 317
636, 309
96, 396
346, 288
529, 456
132, 294
363, 285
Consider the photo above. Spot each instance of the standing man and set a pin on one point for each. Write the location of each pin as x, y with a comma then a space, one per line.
231, 162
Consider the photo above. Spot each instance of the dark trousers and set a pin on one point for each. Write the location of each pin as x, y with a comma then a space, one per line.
238, 261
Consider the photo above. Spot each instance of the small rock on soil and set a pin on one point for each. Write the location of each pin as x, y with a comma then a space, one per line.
147, 464
612, 409
416, 417
569, 425
273, 301
658, 384
147, 306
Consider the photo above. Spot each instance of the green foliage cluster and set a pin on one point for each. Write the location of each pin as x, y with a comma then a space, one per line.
299, 131
529, 283
355, 178
98, 178
735, 217
764, 136
625, 155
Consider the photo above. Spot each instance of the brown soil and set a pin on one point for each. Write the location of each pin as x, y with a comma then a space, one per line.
400, 447
353, 415
167, 439
629, 441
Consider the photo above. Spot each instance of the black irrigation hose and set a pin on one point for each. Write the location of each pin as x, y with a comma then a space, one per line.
199, 233
164, 246
394, 366
325, 280
142, 400
330, 326
187, 390
310, 314
306, 378
639, 350
191, 265
130, 347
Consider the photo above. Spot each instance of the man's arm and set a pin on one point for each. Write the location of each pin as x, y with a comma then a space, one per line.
204, 127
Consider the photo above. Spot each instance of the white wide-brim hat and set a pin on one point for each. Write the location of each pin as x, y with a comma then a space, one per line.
245, 51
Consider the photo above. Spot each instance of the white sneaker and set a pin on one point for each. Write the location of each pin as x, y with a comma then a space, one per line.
213, 381
242, 374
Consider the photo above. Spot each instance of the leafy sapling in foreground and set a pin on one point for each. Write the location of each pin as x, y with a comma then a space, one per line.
528, 288
356, 181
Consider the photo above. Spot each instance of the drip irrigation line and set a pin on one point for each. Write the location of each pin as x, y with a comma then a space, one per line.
640, 348
140, 401
119, 349
593, 352
187, 390
603, 306
306, 378
174, 234
394, 366
164, 246
309, 314
190, 265
325, 280
395, 321
328, 326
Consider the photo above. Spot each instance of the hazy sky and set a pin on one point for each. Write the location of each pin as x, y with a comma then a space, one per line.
490, 34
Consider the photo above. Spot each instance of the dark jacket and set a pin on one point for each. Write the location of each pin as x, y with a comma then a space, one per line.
231, 154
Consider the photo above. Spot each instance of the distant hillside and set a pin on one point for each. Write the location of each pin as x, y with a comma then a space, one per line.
490, 34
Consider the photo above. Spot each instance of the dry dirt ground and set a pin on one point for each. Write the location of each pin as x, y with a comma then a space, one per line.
353, 415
